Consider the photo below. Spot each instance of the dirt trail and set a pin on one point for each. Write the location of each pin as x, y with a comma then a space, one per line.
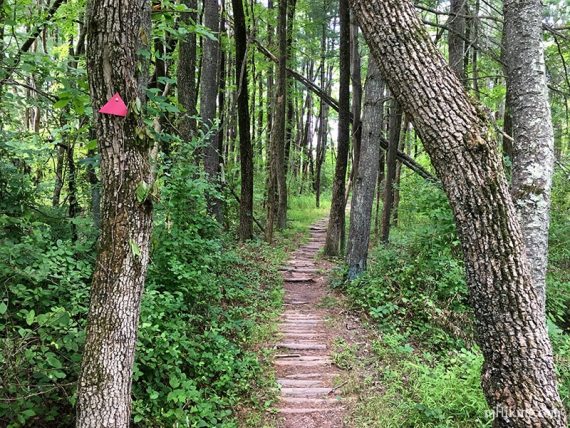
303, 361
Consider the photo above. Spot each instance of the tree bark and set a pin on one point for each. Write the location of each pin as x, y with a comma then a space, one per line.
208, 103
333, 243
186, 75
533, 134
456, 37
59, 176
245, 148
277, 192
365, 183
104, 387
395, 127
356, 79
518, 376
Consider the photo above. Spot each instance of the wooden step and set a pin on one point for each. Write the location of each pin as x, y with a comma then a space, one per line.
305, 392
300, 383
302, 346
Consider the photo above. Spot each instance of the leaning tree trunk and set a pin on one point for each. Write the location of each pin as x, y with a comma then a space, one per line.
369, 161
104, 391
245, 148
533, 134
335, 228
208, 102
518, 377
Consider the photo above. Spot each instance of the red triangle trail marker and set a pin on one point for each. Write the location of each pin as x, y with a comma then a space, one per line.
115, 106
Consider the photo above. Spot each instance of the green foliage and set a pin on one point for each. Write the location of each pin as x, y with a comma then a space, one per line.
42, 318
204, 301
424, 390
414, 291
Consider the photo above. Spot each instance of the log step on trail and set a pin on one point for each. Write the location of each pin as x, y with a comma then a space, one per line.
303, 364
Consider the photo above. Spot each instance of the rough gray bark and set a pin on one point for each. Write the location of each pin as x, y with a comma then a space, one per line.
104, 387
334, 244
456, 36
518, 377
208, 102
186, 75
365, 183
394, 129
533, 135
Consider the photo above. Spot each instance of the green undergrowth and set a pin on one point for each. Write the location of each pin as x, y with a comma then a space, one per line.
209, 304
425, 366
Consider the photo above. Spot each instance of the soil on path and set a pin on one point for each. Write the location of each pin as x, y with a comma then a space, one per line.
303, 362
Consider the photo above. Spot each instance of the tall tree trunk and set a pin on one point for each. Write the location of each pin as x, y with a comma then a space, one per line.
533, 134
208, 102
380, 185
456, 37
395, 126
356, 79
323, 116
277, 181
245, 148
186, 75
365, 183
398, 178
104, 387
290, 121
518, 377
333, 244
475, 28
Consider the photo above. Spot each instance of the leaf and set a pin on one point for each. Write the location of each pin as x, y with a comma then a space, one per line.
3, 308
30, 317
135, 249
142, 191
61, 103
53, 361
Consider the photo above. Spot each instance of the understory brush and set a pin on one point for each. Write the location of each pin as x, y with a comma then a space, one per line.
205, 304
415, 295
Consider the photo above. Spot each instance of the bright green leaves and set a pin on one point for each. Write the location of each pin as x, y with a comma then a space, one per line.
135, 249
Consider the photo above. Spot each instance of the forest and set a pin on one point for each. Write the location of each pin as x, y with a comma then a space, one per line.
284, 213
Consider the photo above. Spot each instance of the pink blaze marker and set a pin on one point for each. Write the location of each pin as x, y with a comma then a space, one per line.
115, 106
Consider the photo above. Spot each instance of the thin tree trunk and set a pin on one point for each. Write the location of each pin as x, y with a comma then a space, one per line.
356, 79
208, 101
333, 243
74, 208
456, 37
245, 148
395, 126
95, 190
474, 60
278, 185
533, 134
398, 179
104, 387
518, 378
365, 183
58, 175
